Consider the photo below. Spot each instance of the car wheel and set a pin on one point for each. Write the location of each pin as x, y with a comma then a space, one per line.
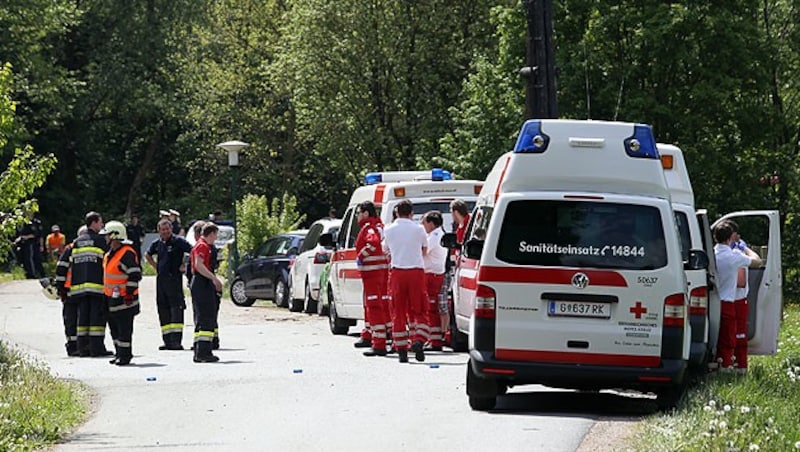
281, 293
482, 392
238, 294
309, 304
338, 326
668, 399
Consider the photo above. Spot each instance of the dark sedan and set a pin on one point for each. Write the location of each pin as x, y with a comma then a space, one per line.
263, 274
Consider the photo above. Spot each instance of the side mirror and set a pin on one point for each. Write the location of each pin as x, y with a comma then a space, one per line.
326, 240
449, 240
698, 260
292, 251
473, 249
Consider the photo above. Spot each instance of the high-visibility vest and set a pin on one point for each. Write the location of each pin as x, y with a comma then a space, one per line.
114, 277
56, 241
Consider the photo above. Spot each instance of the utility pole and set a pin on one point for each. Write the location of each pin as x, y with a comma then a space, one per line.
540, 72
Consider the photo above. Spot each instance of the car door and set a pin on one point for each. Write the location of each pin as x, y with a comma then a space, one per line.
275, 262
466, 271
255, 278
714, 308
305, 256
343, 261
765, 298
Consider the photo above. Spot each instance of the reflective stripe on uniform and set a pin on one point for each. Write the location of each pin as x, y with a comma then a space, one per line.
171, 328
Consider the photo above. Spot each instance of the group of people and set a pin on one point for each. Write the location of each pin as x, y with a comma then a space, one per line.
403, 268
98, 275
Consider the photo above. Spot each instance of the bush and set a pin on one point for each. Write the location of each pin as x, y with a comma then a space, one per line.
258, 220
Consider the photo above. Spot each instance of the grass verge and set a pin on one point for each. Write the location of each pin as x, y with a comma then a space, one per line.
36, 409
758, 411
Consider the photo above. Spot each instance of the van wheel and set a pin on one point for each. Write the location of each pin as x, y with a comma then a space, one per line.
669, 398
337, 325
482, 392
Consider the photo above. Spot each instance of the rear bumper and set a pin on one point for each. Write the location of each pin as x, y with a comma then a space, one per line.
578, 376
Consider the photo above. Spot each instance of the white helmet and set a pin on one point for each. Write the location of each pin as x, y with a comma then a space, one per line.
115, 231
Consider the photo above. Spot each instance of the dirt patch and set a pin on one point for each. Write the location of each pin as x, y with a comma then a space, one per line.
608, 435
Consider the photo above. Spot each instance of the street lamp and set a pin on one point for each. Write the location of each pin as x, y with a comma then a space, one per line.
233, 148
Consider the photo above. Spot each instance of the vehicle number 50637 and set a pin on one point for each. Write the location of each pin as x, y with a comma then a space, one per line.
579, 309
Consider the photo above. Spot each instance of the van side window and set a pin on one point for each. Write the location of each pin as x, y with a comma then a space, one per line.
479, 223
342, 237
352, 231
682, 223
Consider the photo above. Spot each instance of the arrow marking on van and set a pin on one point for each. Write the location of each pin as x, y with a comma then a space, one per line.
638, 310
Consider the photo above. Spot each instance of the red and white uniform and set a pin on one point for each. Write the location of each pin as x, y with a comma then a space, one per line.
728, 264
742, 313
434, 262
374, 267
405, 240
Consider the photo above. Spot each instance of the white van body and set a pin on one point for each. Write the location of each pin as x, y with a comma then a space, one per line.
427, 190
580, 280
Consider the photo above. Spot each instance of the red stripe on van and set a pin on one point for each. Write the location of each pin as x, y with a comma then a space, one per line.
344, 255
468, 283
600, 359
349, 273
500, 182
377, 198
548, 276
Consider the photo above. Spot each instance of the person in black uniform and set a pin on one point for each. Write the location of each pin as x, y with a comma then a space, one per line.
135, 232
38, 248
197, 229
86, 287
69, 308
205, 288
169, 250
26, 241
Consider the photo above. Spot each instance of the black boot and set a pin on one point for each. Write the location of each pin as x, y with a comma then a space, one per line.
375, 352
403, 354
419, 353
363, 343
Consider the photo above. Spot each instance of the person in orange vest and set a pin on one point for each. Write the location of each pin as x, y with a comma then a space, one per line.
121, 277
56, 242
69, 308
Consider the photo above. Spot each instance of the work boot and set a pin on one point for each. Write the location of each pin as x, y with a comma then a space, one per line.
375, 352
206, 359
123, 362
403, 356
419, 353
363, 343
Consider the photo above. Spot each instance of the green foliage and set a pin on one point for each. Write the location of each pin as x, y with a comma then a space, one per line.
36, 409
25, 173
730, 412
258, 220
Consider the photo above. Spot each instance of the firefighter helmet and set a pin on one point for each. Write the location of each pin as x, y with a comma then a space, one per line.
115, 231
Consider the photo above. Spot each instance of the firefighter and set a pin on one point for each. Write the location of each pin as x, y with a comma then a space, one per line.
121, 288
197, 230
69, 308
86, 287
169, 250
373, 266
205, 287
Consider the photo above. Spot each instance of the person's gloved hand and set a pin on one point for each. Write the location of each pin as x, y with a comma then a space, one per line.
359, 262
128, 299
739, 244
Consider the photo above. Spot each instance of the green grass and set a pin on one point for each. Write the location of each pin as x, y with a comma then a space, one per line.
759, 411
36, 409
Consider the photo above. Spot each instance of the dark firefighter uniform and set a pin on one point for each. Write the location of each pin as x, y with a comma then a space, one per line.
86, 289
169, 290
205, 305
213, 268
69, 308
121, 288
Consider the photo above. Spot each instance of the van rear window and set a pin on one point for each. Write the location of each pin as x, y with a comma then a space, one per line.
582, 234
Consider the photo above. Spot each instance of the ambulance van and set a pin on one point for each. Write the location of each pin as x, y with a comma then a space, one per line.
572, 273
761, 230
428, 190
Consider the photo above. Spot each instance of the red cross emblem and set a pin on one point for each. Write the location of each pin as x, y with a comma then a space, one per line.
638, 310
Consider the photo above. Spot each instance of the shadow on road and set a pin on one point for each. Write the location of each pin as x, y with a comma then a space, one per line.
137, 364
575, 404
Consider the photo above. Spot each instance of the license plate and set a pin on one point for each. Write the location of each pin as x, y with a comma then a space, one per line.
579, 309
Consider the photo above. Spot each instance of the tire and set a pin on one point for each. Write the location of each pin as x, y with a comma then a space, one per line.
238, 295
322, 309
309, 304
669, 398
459, 341
482, 392
281, 293
338, 326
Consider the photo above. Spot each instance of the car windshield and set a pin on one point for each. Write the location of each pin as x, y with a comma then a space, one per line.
420, 208
582, 234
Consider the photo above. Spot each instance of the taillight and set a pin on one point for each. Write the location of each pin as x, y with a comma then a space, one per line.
698, 301
675, 310
484, 302
291, 261
321, 257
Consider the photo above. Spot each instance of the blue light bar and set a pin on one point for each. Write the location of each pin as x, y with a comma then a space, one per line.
642, 144
531, 139
437, 174
373, 178
447, 175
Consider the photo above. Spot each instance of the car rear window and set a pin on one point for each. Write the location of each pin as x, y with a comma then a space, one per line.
582, 234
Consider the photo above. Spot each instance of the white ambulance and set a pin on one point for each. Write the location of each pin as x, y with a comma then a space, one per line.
427, 190
572, 274
761, 229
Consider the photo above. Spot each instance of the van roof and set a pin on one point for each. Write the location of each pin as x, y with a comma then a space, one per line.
381, 193
676, 174
580, 156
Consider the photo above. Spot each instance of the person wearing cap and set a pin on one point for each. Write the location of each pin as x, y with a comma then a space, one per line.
175, 220
86, 287
69, 308
121, 288
55, 242
169, 251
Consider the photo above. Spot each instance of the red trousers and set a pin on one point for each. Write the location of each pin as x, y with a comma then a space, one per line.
375, 316
433, 285
409, 317
727, 333
740, 350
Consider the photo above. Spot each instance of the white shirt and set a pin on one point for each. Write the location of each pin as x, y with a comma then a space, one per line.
437, 254
405, 239
728, 264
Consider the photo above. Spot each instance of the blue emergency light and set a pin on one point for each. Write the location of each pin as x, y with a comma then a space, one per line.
373, 178
438, 174
642, 144
531, 139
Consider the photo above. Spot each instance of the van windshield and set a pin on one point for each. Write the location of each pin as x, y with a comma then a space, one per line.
582, 234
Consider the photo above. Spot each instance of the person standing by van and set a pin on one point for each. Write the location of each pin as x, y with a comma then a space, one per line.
434, 260
373, 266
740, 302
407, 243
728, 264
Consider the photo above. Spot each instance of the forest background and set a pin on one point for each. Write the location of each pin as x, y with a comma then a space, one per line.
131, 97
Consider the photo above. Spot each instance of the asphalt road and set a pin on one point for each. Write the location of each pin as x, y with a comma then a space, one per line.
285, 383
